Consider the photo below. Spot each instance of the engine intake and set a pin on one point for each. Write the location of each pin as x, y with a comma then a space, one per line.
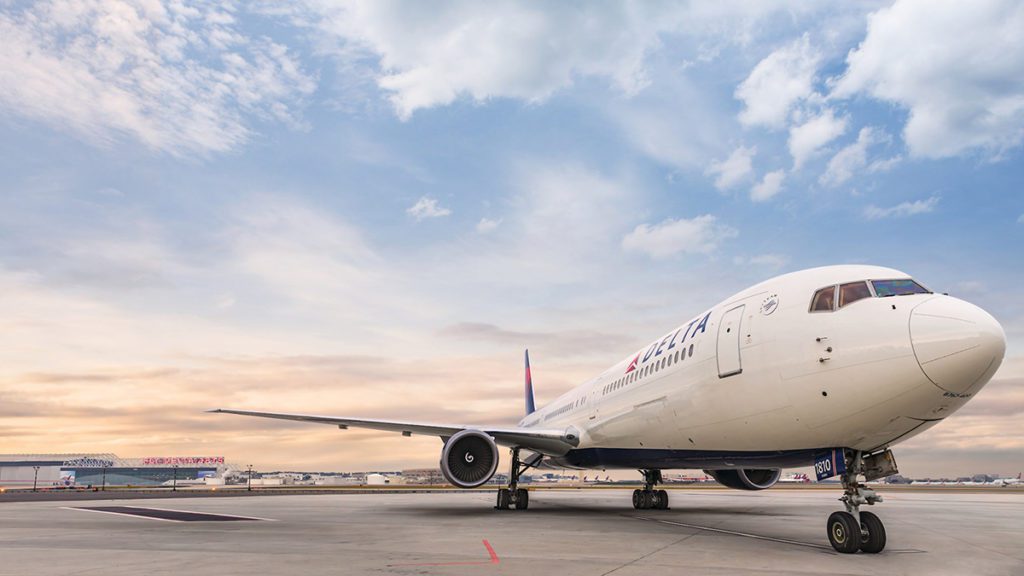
746, 478
469, 459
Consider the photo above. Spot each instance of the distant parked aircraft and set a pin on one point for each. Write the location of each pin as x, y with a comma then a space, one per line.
1008, 481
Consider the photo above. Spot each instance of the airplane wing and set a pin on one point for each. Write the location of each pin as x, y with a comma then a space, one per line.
549, 442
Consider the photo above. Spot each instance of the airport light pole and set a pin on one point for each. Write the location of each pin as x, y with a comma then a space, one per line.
35, 478
103, 486
249, 482
174, 482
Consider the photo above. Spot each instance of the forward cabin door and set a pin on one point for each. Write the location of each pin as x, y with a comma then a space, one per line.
729, 342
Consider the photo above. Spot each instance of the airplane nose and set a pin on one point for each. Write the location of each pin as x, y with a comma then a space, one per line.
957, 344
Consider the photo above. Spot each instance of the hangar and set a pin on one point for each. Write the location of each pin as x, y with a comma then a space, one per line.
83, 470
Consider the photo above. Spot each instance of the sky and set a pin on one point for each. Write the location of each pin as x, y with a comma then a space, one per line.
372, 208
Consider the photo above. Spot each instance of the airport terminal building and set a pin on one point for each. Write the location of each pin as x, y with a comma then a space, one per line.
81, 470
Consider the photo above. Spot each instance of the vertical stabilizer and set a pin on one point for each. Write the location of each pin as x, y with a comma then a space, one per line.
530, 407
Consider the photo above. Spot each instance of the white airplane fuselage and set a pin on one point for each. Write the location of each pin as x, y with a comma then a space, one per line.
762, 380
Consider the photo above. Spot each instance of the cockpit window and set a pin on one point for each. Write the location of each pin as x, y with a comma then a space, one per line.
852, 292
824, 299
885, 288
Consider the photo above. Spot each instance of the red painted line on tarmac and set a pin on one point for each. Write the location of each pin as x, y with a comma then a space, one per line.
490, 550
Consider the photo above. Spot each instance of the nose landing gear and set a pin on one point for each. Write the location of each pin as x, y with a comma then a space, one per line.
854, 530
649, 498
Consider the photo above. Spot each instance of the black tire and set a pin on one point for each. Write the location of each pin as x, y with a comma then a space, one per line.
655, 500
662, 500
647, 499
843, 532
636, 499
873, 541
503, 499
522, 499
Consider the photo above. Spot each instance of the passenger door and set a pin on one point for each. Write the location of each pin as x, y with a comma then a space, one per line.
729, 329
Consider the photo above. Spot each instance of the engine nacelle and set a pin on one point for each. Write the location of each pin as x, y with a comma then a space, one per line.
746, 478
469, 459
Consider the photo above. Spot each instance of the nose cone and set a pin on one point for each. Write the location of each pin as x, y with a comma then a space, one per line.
958, 345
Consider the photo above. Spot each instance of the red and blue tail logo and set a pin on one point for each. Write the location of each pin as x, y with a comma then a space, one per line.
530, 407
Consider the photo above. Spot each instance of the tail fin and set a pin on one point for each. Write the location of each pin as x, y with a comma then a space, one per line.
530, 407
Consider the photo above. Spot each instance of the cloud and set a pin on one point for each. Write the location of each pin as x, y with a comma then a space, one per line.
426, 56
562, 344
107, 418
884, 164
314, 262
432, 55
957, 67
486, 225
699, 235
777, 83
768, 187
734, 169
852, 158
427, 207
806, 139
179, 79
774, 261
902, 210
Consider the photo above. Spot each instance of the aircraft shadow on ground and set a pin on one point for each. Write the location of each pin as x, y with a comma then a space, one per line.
545, 509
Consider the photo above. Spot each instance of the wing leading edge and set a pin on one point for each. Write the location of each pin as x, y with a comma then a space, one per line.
549, 442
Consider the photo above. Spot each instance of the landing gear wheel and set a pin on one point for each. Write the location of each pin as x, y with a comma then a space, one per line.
844, 532
522, 499
636, 499
662, 500
504, 499
648, 499
655, 499
872, 539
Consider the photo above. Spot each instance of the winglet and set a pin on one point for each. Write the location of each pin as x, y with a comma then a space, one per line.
530, 407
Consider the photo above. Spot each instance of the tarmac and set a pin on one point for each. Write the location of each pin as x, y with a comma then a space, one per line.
565, 532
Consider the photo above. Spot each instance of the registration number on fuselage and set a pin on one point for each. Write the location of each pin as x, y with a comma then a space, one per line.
829, 464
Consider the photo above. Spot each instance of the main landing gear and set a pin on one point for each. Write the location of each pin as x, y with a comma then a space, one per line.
649, 498
514, 495
854, 530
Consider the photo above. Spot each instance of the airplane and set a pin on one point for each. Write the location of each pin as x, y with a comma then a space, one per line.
826, 367
796, 479
1008, 481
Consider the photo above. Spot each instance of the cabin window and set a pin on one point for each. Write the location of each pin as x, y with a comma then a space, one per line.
691, 350
885, 288
824, 299
849, 293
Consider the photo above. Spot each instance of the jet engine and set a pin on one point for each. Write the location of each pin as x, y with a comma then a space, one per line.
469, 459
746, 478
